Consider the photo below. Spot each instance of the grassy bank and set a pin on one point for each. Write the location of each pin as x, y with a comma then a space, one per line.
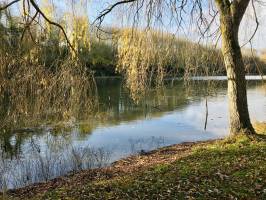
234, 168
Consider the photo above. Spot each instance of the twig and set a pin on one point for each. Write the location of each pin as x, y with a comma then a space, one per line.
257, 24
207, 114
28, 25
9, 4
53, 23
100, 18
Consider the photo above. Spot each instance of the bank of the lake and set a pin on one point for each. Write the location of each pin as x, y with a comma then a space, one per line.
233, 168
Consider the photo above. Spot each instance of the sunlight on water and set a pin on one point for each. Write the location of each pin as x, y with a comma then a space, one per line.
119, 128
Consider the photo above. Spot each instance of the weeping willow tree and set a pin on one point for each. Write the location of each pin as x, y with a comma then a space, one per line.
41, 78
141, 59
77, 25
204, 14
147, 57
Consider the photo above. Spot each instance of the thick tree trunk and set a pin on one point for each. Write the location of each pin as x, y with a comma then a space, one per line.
237, 94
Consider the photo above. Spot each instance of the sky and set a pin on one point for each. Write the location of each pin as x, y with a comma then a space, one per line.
247, 27
191, 32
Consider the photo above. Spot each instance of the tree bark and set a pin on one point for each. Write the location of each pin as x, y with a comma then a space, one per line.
239, 120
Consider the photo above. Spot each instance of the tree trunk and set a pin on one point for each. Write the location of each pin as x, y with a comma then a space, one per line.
239, 120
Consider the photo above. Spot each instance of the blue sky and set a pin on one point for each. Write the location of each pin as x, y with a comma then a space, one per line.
246, 30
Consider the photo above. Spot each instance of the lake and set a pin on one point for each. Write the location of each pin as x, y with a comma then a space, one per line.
120, 127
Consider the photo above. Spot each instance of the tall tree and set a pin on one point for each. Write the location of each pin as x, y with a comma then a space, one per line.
231, 13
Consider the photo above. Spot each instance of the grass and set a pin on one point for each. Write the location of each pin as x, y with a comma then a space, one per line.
234, 168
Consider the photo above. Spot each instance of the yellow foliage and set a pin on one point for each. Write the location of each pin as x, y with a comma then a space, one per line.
146, 56
48, 10
142, 55
77, 26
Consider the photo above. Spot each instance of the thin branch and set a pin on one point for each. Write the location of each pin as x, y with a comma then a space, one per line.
208, 26
257, 24
206, 114
53, 23
28, 25
8, 5
100, 18
38, 10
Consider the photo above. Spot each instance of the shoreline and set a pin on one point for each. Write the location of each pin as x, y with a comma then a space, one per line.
131, 164
229, 168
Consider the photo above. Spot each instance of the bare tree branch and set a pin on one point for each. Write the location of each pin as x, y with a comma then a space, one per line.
28, 25
102, 15
8, 5
238, 9
257, 24
39, 11
52, 23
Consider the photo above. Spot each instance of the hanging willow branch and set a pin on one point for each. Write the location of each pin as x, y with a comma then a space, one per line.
52, 23
106, 11
27, 26
39, 11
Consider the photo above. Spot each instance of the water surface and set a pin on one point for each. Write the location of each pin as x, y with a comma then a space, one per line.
120, 128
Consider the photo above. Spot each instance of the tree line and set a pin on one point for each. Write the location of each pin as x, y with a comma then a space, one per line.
103, 56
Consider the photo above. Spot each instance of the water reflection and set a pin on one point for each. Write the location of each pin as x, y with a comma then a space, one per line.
46, 159
118, 128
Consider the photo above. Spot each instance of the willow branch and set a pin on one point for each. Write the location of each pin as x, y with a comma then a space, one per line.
257, 24
53, 23
28, 25
8, 5
100, 18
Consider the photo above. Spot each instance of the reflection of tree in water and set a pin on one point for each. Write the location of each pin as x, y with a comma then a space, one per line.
115, 106
22, 155
259, 85
53, 156
10, 144
115, 101
48, 158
